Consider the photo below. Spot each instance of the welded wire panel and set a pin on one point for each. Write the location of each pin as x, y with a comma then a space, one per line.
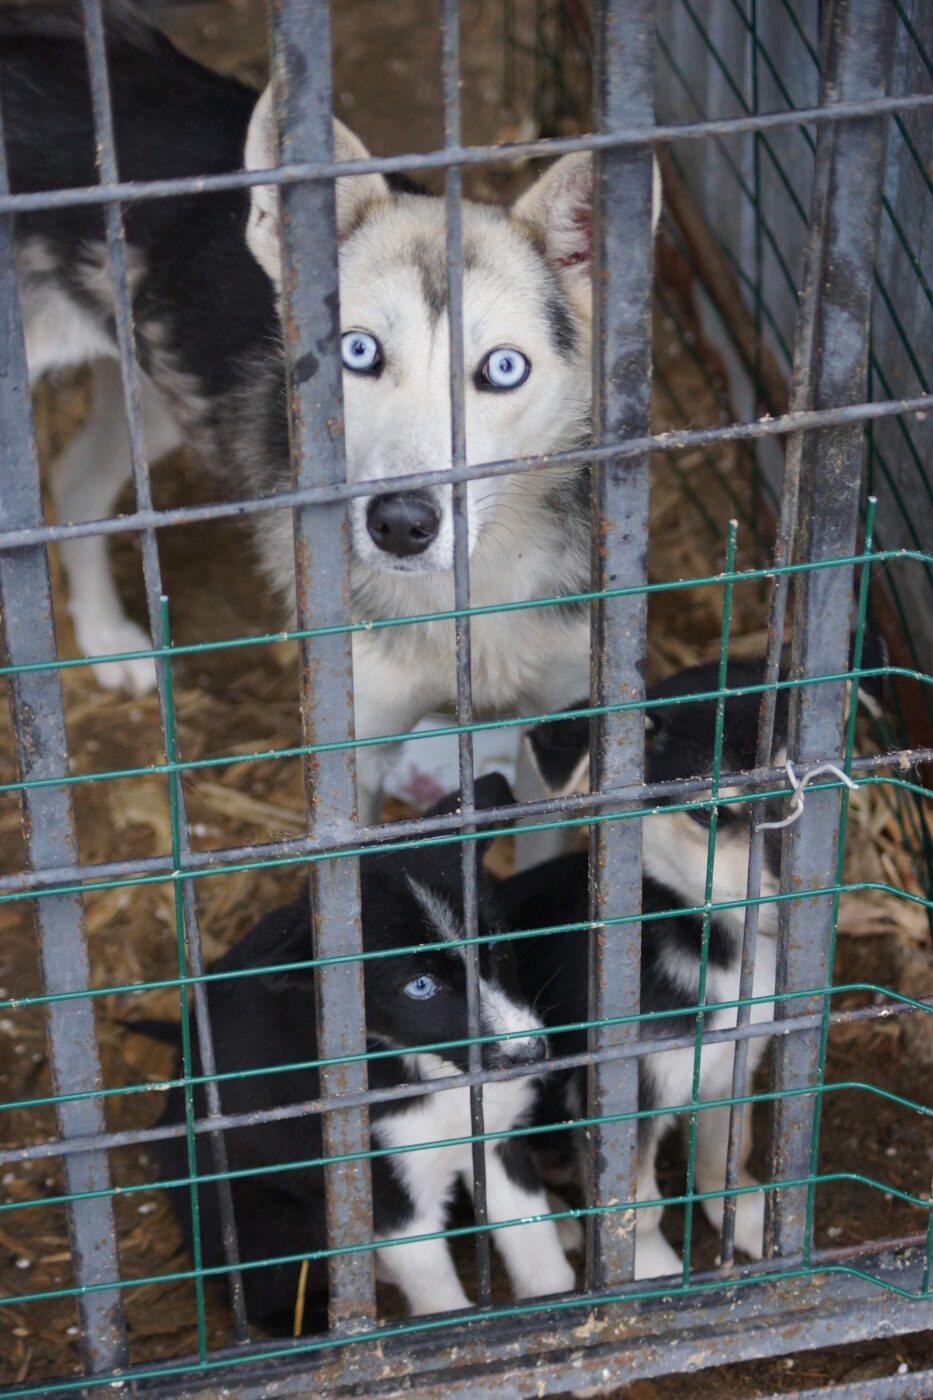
622, 237
300, 37
858, 56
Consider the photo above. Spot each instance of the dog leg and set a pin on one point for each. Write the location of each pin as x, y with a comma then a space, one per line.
86, 481
570, 1230
654, 1257
383, 704
712, 1146
533, 1254
424, 1271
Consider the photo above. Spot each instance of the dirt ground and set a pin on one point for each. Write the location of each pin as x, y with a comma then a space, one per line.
387, 67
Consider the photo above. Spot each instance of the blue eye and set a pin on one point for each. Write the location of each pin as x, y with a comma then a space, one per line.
504, 368
361, 352
421, 988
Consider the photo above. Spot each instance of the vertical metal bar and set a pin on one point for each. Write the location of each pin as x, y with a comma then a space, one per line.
454, 252
622, 272
860, 46
801, 398
708, 895
300, 42
48, 827
130, 376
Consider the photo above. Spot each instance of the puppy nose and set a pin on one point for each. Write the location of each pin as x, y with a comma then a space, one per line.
403, 524
530, 1050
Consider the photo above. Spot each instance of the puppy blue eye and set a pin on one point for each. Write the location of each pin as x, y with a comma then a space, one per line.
360, 351
504, 369
421, 988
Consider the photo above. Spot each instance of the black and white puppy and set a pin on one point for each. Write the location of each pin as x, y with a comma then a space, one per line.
413, 999
680, 743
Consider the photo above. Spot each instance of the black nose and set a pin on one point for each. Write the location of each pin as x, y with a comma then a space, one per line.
403, 524
530, 1050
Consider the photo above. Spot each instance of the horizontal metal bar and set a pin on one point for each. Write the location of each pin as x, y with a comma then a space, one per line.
906, 1385
128, 191
631, 1049
674, 440
573, 809
757, 1312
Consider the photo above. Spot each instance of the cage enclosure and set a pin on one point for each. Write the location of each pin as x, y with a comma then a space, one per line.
207, 927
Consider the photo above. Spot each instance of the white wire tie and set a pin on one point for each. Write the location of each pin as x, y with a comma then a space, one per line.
798, 785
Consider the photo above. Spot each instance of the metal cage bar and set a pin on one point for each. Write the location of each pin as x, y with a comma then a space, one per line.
131, 385
310, 320
453, 197
622, 277
859, 50
41, 744
801, 398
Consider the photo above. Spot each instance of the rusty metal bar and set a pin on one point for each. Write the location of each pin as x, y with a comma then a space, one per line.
131, 383
859, 48
300, 43
298, 172
677, 440
622, 275
41, 746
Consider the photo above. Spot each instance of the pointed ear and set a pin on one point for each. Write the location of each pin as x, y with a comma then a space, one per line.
353, 193
560, 751
489, 790
560, 207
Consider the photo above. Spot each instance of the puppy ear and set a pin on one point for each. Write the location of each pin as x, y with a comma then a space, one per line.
490, 790
560, 207
560, 752
352, 193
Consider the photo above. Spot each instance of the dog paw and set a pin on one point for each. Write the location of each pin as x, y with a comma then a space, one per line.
138, 676
558, 1277
654, 1257
750, 1224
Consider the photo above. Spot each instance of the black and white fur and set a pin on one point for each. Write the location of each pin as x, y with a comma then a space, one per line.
679, 743
269, 1019
553, 969
204, 273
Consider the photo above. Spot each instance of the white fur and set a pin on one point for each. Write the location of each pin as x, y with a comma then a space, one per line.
86, 481
675, 850
424, 1271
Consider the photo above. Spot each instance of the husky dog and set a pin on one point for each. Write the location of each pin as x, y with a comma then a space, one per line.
413, 998
203, 274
